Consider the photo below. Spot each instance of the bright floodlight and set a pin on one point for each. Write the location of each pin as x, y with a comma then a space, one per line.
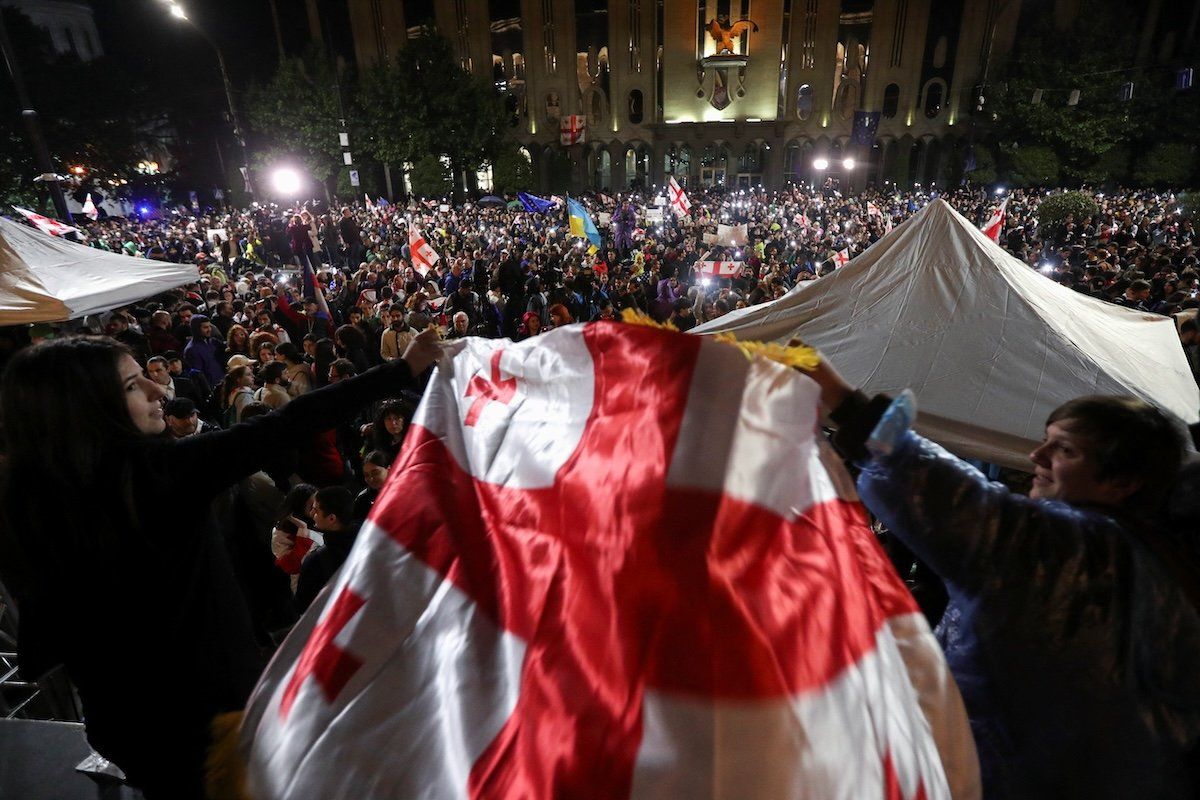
848, 163
286, 181
178, 12
821, 163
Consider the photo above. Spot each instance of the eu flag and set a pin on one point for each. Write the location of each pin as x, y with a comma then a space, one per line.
534, 204
866, 124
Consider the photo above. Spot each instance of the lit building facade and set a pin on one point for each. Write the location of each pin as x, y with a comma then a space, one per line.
71, 25
678, 87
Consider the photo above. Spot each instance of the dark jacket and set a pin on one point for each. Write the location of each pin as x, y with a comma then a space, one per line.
322, 563
149, 621
1074, 648
204, 355
161, 341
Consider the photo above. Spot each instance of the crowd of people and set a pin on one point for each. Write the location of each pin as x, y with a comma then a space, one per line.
1137, 251
292, 301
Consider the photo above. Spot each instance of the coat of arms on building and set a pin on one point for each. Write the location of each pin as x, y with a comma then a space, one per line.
727, 65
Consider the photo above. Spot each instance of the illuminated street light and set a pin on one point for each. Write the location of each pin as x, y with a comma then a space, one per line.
821, 164
847, 163
286, 181
178, 13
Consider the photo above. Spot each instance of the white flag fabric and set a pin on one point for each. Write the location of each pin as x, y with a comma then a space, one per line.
679, 200
45, 224
423, 256
542, 605
89, 209
572, 130
719, 269
841, 258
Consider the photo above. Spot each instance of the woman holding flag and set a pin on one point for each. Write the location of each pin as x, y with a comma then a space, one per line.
141, 607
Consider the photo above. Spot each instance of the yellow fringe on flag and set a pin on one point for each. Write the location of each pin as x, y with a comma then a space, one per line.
225, 777
635, 317
798, 356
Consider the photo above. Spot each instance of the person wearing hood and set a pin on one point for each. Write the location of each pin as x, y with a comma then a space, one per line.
204, 351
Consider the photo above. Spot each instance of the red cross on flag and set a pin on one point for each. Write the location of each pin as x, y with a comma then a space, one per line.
612, 562
873, 210
572, 130
719, 269
423, 256
995, 225
45, 224
679, 201
841, 258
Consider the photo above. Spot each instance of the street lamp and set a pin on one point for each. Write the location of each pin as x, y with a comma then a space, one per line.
286, 182
178, 12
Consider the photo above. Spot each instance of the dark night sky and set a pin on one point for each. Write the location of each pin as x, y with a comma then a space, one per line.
170, 56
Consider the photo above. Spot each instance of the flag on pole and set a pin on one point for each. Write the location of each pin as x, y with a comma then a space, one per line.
580, 222
534, 204
719, 269
993, 227
367, 200
679, 200
523, 614
89, 208
873, 210
841, 258
422, 255
572, 130
45, 224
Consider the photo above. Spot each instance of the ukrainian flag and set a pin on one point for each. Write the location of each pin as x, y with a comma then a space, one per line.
580, 223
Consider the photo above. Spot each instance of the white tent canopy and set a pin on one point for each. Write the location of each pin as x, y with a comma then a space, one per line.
989, 346
47, 279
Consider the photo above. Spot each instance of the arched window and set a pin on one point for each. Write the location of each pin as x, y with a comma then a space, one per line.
891, 101
933, 98
804, 101
553, 109
635, 107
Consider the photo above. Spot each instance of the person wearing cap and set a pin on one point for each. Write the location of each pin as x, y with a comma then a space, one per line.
183, 419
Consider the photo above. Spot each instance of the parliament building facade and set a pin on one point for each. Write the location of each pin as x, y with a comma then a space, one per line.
740, 92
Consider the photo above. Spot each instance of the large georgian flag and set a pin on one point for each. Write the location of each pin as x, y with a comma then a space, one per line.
612, 562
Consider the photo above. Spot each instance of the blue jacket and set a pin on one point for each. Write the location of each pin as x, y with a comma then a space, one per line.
1077, 654
204, 355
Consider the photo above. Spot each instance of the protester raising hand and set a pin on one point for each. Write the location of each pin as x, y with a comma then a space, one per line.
423, 350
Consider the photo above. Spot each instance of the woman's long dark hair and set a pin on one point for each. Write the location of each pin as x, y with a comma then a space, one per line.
64, 416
